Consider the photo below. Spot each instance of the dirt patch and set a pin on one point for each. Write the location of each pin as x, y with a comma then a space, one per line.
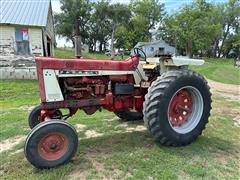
4, 113
124, 125
229, 91
237, 121
138, 128
228, 96
221, 159
227, 110
183, 175
98, 169
8, 144
31, 108
126, 129
26, 108
112, 119
92, 134
80, 127
16, 152
78, 174
229, 88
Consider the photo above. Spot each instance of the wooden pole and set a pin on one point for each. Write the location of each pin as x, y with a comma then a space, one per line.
78, 40
112, 42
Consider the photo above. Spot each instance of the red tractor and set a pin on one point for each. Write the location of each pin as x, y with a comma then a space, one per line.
173, 101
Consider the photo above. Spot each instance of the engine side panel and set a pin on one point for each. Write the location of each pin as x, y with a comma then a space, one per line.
52, 88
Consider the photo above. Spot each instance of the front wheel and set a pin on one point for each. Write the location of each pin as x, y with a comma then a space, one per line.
50, 144
34, 116
177, 107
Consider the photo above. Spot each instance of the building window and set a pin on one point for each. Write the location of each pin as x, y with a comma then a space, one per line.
22, 41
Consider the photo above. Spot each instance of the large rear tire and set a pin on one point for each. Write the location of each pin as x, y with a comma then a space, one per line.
127, 115
177, 107
51, 144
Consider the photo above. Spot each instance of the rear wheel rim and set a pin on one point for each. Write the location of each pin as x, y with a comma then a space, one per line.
185, 109
53, 146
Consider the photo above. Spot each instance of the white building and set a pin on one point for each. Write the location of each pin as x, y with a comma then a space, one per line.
26, 28
155, 48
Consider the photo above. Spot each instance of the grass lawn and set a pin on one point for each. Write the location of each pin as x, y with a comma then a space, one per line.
119, 150
221, 70
68, 53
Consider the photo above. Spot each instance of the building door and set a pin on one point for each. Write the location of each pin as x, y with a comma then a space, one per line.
49, 47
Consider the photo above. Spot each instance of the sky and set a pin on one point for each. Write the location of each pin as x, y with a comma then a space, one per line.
170, 6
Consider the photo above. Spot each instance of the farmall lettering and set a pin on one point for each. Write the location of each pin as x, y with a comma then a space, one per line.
79, 73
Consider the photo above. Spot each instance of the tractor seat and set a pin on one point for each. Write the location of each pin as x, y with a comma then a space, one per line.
129, 64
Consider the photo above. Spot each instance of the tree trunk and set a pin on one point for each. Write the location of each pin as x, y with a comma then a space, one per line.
215, 48
73, 42
104, 46
226, 54
223, 40
227, 51
112, 42
100, 47
189, 49
90, 44
94, 46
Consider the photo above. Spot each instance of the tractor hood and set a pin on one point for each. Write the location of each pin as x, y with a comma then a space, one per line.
87, 64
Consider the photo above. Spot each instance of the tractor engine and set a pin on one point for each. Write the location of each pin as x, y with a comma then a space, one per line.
83, 88
114, 92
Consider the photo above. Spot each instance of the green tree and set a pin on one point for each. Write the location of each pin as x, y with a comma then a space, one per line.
151, 10
132, 33
203, 28
147, 14
100, 27
230, 27
63, 27
73, 10
216, 17
193, 28
118, 15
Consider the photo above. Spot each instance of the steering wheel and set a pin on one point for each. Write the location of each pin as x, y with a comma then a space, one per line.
140, 53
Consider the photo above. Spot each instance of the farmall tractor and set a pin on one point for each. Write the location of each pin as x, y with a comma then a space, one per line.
173, 101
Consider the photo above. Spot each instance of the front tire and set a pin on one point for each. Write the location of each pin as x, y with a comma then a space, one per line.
51, 144
34, 116
177, 107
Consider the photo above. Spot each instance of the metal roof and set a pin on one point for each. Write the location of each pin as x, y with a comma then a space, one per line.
24, 12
